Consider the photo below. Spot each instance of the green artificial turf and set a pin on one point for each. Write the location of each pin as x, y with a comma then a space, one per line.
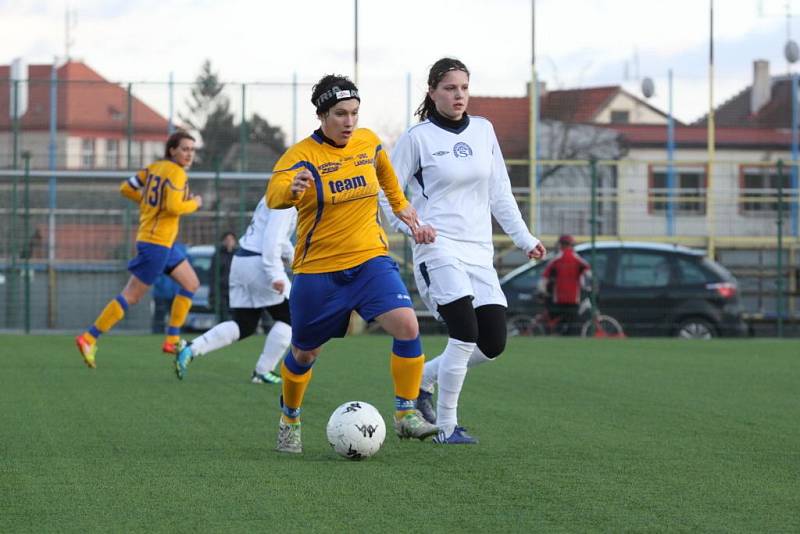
575, 436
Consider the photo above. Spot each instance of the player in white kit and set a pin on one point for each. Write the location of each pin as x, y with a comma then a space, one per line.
258, 283
457, 180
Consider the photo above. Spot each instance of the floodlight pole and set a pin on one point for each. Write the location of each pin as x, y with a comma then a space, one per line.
710, 137
355, 45
670, 162
794, 171
52, 190
171, 90
533, 119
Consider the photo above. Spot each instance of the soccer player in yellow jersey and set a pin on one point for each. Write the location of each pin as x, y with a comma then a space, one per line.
162, 192
341, 261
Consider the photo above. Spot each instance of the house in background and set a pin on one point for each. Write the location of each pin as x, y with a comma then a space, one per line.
93, 117
752, 128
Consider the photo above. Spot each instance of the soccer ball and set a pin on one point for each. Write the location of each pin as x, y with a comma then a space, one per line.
356, 430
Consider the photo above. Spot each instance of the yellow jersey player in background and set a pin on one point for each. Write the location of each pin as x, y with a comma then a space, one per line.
162, 191
341, 261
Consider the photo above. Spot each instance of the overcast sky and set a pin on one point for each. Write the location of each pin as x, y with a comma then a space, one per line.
578, 43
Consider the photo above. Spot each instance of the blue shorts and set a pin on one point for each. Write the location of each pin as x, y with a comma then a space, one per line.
320, 304
151, 260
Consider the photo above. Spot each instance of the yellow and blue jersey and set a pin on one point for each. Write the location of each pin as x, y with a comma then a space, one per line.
162, 192
337, 222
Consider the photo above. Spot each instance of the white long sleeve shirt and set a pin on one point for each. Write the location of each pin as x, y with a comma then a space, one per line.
457, 180
269, 234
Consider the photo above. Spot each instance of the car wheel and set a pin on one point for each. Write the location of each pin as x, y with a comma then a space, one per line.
695, 328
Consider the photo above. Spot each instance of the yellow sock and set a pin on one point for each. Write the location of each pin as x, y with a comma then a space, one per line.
293, 388
111, 315
177, 315
407, 378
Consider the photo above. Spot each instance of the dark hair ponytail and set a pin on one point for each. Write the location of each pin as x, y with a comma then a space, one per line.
174, 141
435, 75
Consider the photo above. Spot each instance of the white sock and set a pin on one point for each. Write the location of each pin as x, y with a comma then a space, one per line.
430, 373
275, 346
452, 371
478, 358
222, 335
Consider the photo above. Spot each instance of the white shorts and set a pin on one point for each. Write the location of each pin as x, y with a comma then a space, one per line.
249, 284
443, 281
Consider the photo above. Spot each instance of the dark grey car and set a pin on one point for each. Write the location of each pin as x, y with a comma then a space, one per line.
652, 289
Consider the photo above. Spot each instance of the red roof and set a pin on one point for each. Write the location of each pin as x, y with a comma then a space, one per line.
509, 116
776, 113
649, 135
510, 119
576, 105
86, 103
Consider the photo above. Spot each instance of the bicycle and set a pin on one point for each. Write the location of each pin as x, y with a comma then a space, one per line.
542, 324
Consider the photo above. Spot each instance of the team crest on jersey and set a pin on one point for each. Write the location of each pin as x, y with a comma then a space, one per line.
329, 167
462, 150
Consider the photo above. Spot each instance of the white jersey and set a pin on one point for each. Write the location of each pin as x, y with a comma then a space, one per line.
268, 235
457, 180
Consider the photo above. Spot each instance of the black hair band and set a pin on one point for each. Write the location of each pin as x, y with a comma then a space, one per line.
333, 96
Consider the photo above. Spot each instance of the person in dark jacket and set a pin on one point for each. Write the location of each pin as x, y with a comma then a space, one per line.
224, 256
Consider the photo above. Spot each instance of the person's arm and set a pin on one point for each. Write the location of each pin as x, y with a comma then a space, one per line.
389, 182
177, 200
289, 182
504, 206
132, 187
287, 249
405, 163
401, 207
585, 279
275, 231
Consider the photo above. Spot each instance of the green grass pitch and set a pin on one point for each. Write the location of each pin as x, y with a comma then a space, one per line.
576, 436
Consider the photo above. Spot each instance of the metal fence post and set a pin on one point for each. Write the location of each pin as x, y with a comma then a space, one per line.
27, 247
294, 107
217, 267
779, 284
129, 126
15, 125
242, 160
127, 215
593, 227
11, 301
52, 305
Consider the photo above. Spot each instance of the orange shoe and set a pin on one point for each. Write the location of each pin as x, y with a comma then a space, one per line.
87, 350
169, 348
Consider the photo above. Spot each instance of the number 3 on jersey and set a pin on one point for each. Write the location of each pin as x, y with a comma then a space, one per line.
153, 189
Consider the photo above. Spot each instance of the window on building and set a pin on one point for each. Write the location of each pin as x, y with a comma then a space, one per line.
112, 153
620, 117
688, 194
87, 153
759, 190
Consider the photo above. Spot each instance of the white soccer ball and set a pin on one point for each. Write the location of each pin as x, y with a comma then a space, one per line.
356, 430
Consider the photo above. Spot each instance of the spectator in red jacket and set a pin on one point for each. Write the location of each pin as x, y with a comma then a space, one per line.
562, 281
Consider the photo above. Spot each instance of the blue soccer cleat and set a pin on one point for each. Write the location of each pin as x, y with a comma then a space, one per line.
183, 358
459, 436
424, 404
